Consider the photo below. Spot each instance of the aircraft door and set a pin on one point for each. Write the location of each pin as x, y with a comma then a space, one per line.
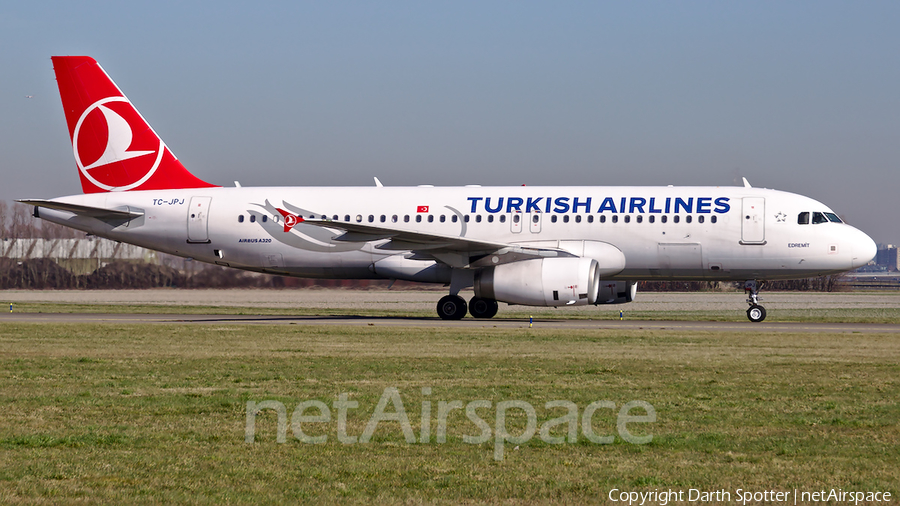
198, 219
753, 226
515, 222
534, 222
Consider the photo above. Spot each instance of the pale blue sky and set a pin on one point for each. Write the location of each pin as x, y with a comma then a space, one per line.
799, 96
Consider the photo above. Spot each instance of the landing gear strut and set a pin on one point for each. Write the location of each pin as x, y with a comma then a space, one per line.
451, 307
755, 313
483, 308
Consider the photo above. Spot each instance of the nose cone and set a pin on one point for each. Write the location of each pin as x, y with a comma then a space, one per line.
863, 249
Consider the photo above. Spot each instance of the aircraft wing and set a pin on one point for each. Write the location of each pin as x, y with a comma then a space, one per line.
108, 215
453, 250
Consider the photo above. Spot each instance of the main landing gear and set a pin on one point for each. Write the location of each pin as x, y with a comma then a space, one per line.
483, 308
453, 307
755, 313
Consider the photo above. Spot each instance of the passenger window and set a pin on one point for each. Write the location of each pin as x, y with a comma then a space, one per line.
566, 218
652, 218
535, 218
627, 218
346, 217
663, 218
515, 218
615, 218
553, 218
371, 218
252, 218
405, 218
675, 219
466, 218
687, 219
418, 218
490, 218
358, 218
602, 219
430, 218
454, 218
383, 218
833, 218
819, 218
578, 218
699, 219
443, 218
590, 218
265, 218
240, 218
640, 218
502, 218
394, 219
803, 218
712, 219
477, 218
335, 217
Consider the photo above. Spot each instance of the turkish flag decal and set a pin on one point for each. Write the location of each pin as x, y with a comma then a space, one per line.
422, 209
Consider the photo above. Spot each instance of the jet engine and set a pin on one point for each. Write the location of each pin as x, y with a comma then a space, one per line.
541, 282
616, 292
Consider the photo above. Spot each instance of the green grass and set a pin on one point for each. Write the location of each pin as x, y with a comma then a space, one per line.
156, 413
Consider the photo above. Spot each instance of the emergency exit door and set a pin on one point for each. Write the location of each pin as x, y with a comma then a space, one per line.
753, 224
198, 219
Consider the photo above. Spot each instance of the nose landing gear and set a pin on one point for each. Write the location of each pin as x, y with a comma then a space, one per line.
756, 313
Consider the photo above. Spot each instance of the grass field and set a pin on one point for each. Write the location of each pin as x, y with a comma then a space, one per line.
156, 413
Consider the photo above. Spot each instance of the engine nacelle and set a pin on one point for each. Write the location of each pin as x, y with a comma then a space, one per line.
616, 292
541, 282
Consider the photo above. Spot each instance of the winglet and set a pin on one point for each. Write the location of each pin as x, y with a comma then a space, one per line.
378, 183
746, 183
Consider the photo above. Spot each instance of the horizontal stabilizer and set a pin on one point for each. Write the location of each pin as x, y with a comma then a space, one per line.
91, 212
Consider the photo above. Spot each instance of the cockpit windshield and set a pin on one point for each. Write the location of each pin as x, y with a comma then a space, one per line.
803, 218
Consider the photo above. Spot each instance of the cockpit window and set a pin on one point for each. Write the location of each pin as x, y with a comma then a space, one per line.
833, 218
819, 218
803, 218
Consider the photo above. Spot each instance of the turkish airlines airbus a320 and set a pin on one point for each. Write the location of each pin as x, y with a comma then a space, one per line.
536, 246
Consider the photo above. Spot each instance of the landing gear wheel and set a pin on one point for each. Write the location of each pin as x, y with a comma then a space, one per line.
483, 308
756, 313
451, 307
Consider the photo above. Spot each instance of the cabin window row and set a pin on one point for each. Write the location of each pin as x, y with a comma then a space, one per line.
516, 218
262, 218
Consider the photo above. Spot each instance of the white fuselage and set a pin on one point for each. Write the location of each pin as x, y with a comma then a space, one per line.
666, 233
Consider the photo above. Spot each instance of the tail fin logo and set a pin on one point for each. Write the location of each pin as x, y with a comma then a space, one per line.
123, 163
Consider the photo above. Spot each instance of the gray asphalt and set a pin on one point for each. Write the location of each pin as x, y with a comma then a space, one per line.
732, 327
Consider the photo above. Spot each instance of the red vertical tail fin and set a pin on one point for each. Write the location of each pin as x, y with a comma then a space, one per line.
115, 148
